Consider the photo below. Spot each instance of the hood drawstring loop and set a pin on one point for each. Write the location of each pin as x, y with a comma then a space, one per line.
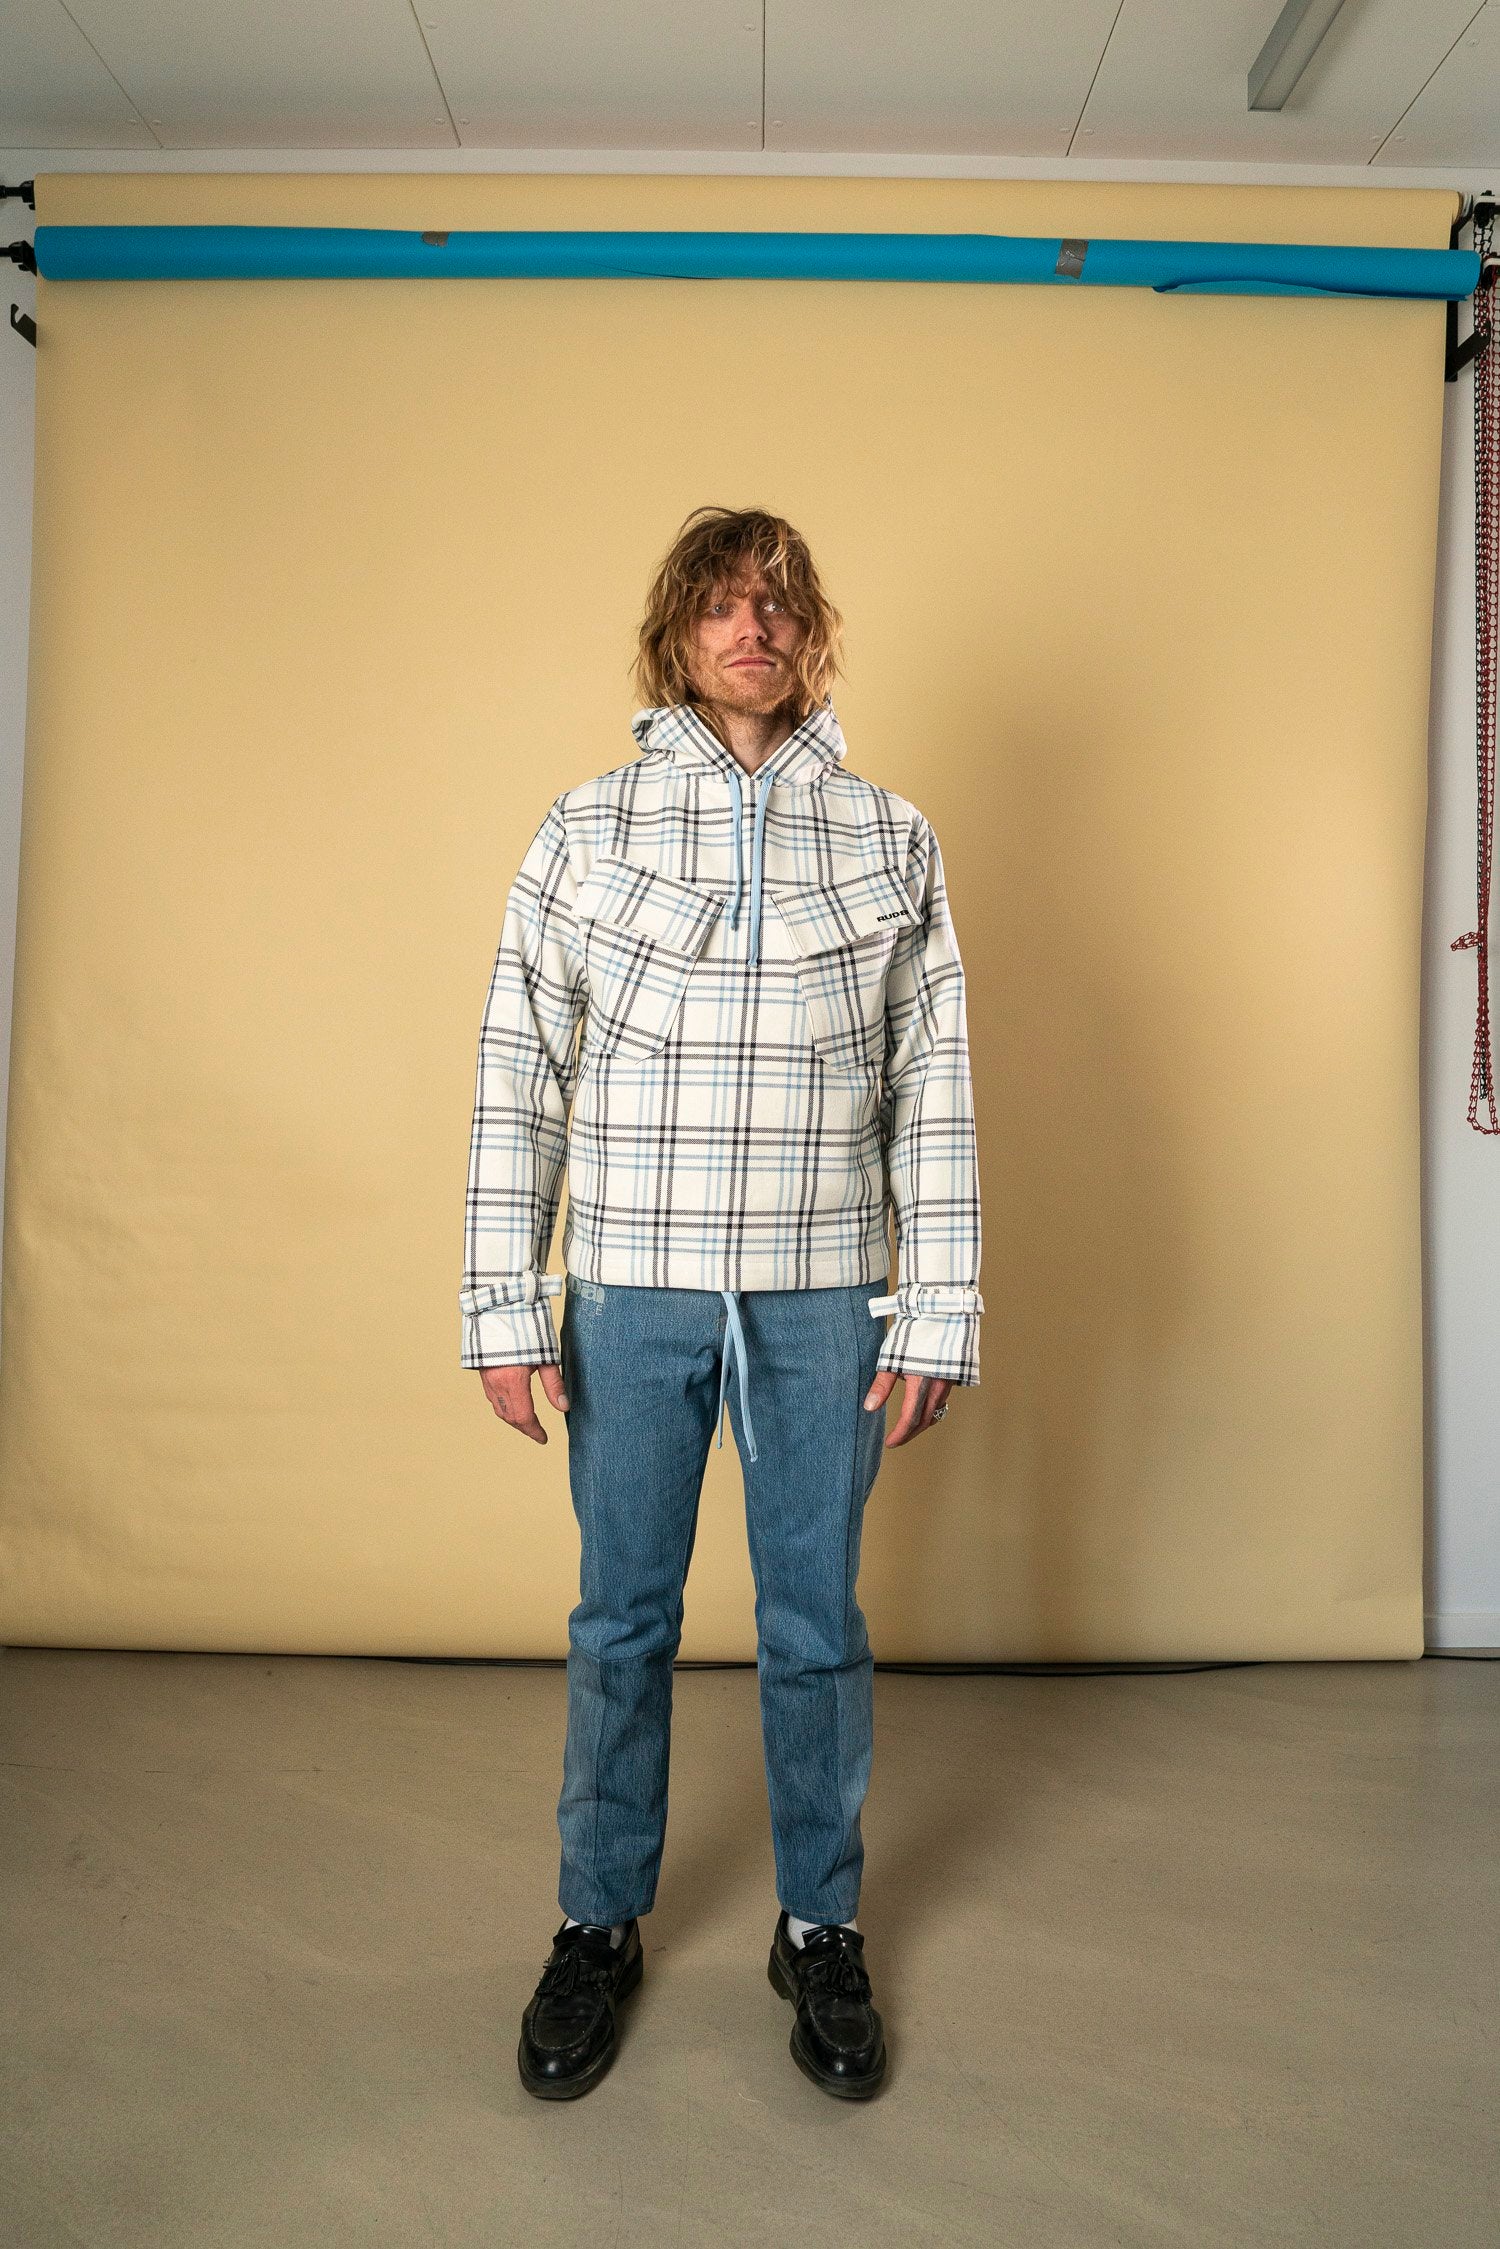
821, 742
762, 799
674, 735
757, 854
734, 1334
734, 847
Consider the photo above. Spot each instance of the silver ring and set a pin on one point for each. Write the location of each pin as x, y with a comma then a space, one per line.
940, 1413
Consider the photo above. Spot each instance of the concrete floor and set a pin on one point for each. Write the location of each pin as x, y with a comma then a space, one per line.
1205, 1958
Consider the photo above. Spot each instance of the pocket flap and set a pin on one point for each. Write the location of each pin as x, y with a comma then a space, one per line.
821, 916
646, 902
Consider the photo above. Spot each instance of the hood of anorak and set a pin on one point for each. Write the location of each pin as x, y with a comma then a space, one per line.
676, 735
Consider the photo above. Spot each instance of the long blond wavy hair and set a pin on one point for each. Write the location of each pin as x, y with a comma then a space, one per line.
712, 546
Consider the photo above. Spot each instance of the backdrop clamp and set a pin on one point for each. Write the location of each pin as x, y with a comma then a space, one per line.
1481, 211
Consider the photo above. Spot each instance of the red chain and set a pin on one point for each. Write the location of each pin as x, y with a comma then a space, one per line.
1486, 366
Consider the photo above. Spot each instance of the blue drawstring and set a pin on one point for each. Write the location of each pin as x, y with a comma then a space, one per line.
757, 853
734, 1335
734, 1345
734, 845
763, 798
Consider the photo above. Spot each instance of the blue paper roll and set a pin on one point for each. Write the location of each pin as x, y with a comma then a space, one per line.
318, 253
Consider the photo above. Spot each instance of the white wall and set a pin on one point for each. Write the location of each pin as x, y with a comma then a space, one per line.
1461, 1168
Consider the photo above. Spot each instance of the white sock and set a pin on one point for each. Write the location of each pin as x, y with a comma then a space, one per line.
797, 1930
616, 1934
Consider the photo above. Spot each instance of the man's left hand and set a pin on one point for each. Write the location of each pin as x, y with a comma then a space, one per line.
924, 1394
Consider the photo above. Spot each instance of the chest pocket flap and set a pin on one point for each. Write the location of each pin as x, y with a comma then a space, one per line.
844, 935
822, 916
641, 932
647, 903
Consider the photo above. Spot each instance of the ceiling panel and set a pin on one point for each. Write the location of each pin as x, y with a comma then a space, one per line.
1396, 82
954, 77
1455, 118
600, 73
275, 75
1172, 82
54, 90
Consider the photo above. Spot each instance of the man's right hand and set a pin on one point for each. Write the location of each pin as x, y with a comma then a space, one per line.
509, 1392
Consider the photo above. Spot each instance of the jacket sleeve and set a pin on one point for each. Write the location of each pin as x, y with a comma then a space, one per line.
523, 1090
927, 1124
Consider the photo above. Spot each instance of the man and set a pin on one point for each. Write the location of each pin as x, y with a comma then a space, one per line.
774, 1049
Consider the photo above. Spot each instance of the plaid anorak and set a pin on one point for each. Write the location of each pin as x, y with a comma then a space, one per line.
773, 1050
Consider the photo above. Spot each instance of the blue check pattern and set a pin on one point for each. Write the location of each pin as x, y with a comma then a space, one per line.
741, 1056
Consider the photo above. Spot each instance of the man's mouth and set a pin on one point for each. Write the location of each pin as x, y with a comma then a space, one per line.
747, 663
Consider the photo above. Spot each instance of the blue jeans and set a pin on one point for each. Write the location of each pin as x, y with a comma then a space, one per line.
644, 1370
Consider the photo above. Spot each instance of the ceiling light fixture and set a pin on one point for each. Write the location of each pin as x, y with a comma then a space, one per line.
1294, 39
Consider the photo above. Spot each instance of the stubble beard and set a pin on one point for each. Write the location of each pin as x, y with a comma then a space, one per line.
758, 693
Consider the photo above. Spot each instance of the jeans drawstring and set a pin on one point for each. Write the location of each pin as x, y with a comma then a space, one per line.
734, 1345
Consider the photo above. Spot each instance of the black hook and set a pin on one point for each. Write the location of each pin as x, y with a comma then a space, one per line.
25, 257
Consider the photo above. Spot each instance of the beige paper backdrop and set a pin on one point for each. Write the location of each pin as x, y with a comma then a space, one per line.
336, 586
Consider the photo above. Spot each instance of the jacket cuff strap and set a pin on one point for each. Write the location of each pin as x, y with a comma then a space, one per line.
508, 1323
935, 1331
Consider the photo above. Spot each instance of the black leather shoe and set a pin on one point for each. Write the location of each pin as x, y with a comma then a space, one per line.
568, 2032
838, 2039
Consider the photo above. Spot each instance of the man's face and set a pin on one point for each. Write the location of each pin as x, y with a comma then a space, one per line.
744, 640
